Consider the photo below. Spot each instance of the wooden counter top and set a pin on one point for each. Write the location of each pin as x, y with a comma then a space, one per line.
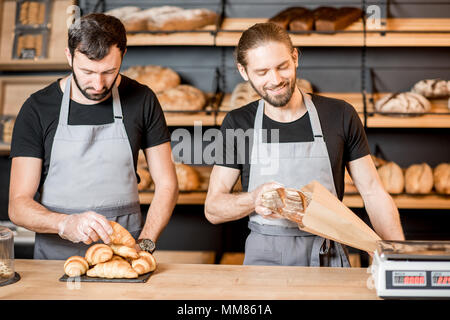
39, 280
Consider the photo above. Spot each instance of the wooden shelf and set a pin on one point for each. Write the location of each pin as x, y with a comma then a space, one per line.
405, 201
57, 39
422, 121
354, 98
435, 35
188, 119
232, 29
403, 34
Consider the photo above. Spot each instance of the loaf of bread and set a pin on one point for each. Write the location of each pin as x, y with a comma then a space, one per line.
32, 12
121, 235
244, 93
332, 19
391, 176
124, 251
419, 179
188, 19
406, 102
432, 88
75, 266
113, 269
378, 162
157, 78
441, 176
297, 17
122, 12
8, 126
98, 253
145, 263
188, 177
182, 98
145, 178
289, 203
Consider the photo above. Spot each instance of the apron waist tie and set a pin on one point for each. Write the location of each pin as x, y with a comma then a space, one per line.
321, 246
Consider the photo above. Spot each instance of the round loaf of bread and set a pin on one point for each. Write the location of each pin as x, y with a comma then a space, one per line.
391, 176
145, 179
432, 88
419, 179
188, 177
157, 78
406, 102
182, 98
441, 176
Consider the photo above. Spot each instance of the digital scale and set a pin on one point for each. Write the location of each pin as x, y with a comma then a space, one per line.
412, 269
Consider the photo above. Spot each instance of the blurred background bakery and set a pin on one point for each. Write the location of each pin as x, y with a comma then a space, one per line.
183, 50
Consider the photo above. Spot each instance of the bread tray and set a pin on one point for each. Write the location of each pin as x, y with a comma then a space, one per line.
84, 278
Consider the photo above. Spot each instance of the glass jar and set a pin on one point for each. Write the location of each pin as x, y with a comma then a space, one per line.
6, 255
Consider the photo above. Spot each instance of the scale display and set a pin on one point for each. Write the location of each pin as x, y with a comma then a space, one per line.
440, 279
413, 279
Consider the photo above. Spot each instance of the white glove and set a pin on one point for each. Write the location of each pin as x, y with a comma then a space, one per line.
86, 227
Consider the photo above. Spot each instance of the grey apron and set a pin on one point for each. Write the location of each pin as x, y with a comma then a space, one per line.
279, 241
91, 169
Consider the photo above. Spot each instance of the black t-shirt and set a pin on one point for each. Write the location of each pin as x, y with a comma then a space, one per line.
36, 123
341, 127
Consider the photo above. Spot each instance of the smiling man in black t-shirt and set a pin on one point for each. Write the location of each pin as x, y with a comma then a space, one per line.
75, 145
314, 138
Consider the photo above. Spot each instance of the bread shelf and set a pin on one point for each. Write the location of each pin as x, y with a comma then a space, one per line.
202, 37
399, 32
232, 29
354, 98
58, 31
437, 117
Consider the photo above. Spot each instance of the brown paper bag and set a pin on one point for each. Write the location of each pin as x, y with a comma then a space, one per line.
328, 217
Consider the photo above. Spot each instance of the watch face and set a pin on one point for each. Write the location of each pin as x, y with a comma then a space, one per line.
147, 245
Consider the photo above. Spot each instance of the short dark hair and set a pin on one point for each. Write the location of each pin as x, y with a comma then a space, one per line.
258, 35
95, 33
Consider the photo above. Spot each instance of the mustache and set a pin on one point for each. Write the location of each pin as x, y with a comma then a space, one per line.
278, 86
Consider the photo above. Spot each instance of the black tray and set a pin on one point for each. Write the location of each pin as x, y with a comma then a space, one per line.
141, 279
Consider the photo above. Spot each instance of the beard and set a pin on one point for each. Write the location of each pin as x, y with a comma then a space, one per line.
277, 100
95, 97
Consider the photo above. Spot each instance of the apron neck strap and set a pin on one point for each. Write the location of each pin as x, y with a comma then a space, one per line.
313, 116
64, 113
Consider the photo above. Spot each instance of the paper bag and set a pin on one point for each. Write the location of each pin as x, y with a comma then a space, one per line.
328, 217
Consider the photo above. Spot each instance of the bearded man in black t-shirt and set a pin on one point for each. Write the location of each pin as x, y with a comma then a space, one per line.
312, 137
75, 147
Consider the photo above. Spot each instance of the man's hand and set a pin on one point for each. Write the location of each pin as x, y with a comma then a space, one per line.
257, 197
86, 227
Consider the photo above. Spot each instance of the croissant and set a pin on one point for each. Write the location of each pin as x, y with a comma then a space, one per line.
121, 235
124, 251
289, 203
98, 253
75, 266
144, 264
112, 269
115, 257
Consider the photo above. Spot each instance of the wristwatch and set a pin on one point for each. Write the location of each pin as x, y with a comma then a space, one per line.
146, 245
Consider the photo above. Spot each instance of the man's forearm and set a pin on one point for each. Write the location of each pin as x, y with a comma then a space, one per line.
27, 213
384, 216
160, 211
229, 207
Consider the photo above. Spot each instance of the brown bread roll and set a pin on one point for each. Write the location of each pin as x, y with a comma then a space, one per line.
145, 178
75, 266
188, 177
145, 263
182, 98
124, 251
121, 235
391, 176
442, 178
406, 102
419, 179
98, 253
